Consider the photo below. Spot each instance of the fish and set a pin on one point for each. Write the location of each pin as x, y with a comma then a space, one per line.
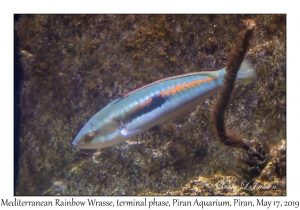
153, 104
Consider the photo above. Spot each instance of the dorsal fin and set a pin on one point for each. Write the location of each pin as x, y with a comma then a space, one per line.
114, 101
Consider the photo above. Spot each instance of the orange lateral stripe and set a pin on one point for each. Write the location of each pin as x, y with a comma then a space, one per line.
193, 84
177, 88
188, 85
182, 87
146, 102
165, 93
173, 91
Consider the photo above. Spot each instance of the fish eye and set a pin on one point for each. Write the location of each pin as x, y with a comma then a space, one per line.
91, 134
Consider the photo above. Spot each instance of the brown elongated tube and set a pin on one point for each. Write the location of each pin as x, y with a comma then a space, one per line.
236, 57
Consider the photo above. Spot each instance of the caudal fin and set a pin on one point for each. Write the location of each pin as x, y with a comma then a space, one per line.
246, 73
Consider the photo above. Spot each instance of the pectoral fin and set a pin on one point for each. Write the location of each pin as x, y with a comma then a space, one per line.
125, 132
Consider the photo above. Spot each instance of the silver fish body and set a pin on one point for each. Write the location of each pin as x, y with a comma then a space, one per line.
152, 104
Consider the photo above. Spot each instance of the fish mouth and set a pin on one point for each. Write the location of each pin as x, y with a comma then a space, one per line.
79, 145
75, 144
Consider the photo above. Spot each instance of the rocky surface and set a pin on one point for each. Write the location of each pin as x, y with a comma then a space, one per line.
73, 65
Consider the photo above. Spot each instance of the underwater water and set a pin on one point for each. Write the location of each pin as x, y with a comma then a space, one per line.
74, 65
